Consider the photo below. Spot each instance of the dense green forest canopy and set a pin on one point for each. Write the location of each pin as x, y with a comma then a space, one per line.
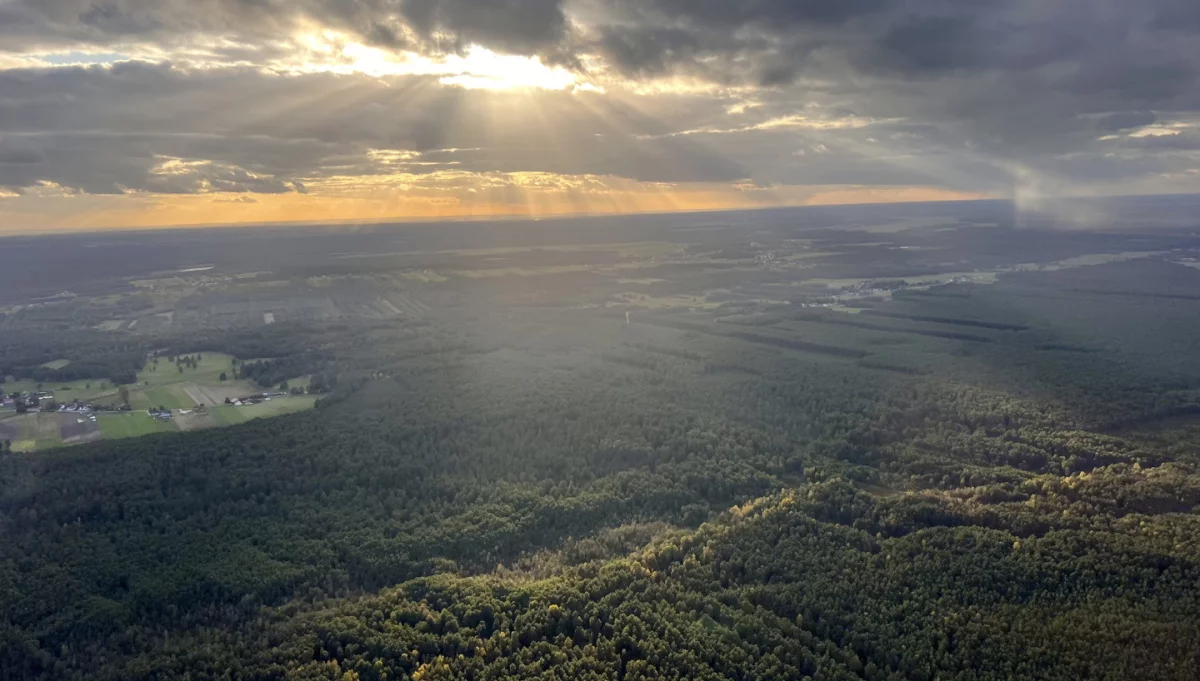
30, 354
957, 482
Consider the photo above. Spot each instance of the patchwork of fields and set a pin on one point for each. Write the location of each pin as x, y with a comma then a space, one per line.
161, 384
32, 431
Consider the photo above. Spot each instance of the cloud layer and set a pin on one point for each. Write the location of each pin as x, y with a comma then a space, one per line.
243, 97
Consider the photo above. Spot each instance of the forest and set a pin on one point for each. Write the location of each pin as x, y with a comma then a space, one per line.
30, 354
954, 482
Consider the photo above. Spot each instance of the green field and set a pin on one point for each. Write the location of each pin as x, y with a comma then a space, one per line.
132, 424
169, 396
227, 415
208, 370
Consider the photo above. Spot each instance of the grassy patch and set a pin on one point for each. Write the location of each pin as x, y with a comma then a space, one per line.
165, 385
208, 370
56, 364
169, 396
227, 415
132, 425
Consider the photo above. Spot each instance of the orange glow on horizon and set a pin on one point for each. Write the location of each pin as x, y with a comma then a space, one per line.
536, 197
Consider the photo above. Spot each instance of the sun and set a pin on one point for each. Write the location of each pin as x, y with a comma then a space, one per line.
476, 68
483, 68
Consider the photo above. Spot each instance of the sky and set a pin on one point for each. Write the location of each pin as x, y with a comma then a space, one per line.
136, 113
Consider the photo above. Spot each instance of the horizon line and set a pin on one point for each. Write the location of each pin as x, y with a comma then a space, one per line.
466, 219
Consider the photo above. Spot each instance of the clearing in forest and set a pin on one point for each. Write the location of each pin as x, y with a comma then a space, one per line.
176, 386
